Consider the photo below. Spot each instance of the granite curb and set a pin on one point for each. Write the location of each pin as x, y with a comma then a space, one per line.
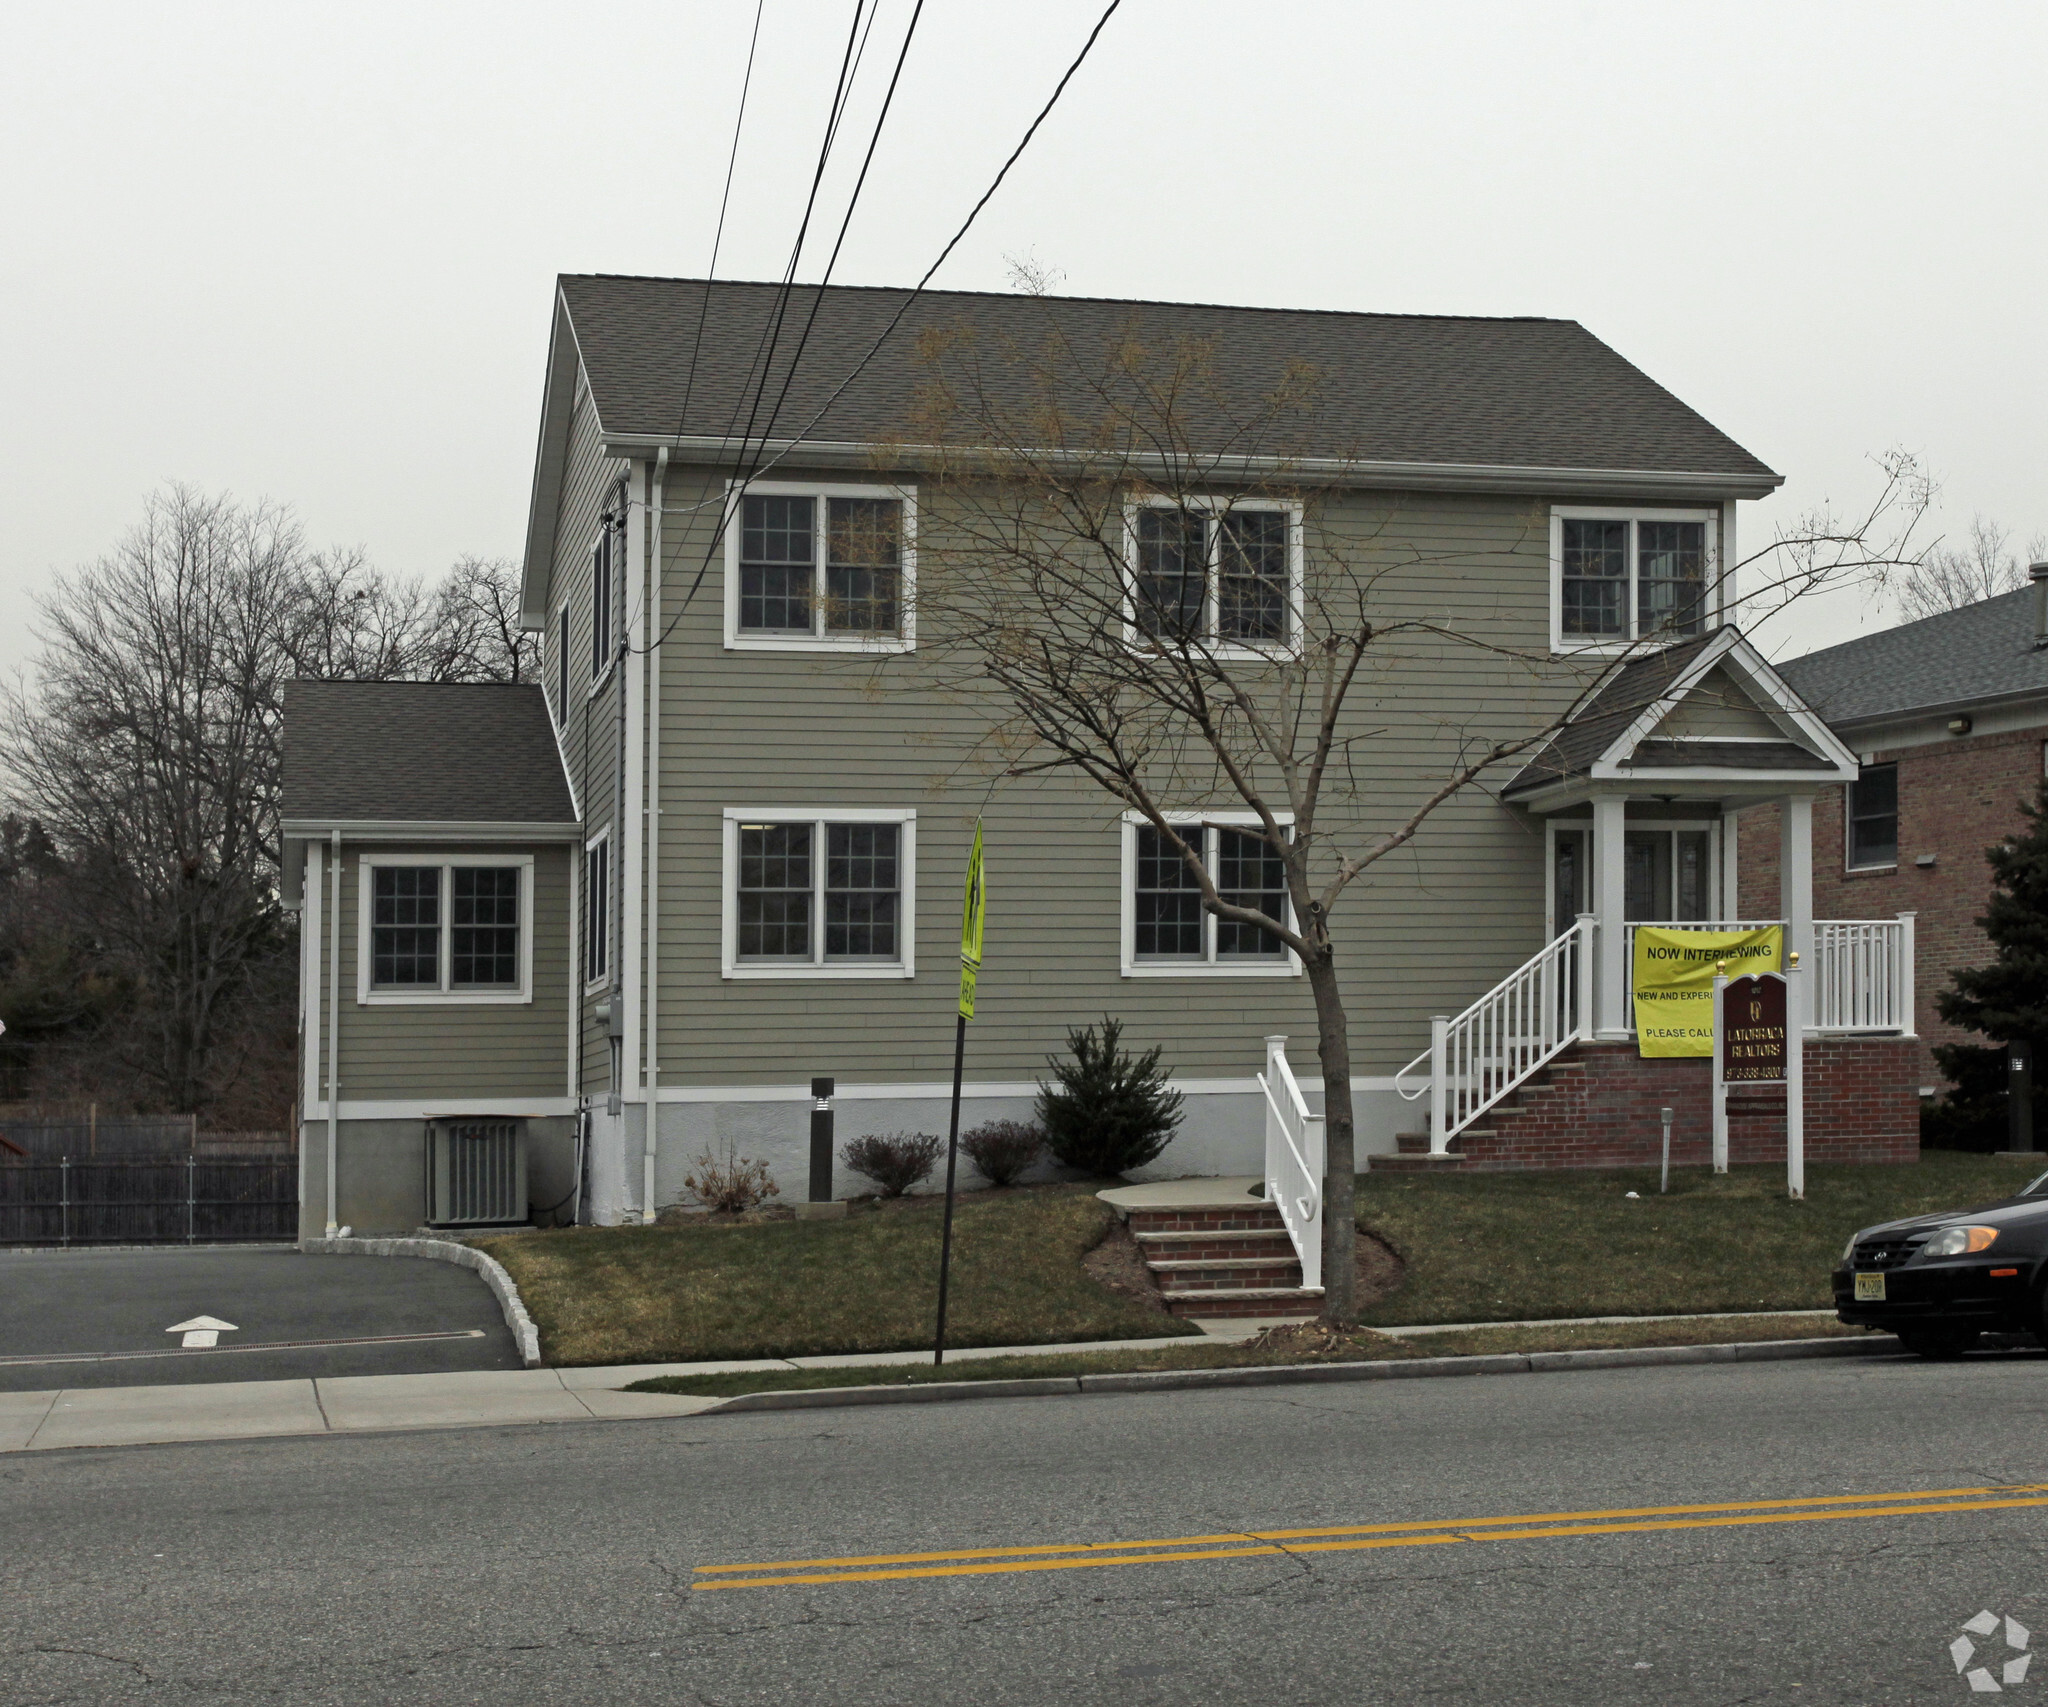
1289, 1374
524, 1334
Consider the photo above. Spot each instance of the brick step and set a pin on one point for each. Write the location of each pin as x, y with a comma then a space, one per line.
1250, 1218
1253, 1242
1248, 1301
1229, 1276
1420, 1164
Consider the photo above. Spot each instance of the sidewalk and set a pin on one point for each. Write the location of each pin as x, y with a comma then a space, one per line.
352, 1404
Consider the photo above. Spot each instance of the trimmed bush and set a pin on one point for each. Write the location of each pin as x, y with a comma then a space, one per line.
1003, 1149
1110, 1111
895, 1161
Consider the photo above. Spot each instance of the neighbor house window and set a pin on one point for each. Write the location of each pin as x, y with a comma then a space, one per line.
1623, 576
1165, 926
597, 909
820, 567
1220, 576
1874, 817
811, 894
455, 927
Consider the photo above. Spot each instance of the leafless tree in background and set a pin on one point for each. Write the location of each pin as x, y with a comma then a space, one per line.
1947, 577
145, 748
1171, 674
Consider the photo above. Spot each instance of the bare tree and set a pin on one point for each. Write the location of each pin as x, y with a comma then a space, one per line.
1947, 577
1181, 671
478, 637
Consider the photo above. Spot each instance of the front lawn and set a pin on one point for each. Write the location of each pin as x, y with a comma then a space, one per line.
1485, 1247
802, 1288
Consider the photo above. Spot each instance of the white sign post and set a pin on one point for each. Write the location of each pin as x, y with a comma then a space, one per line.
1720, 1078
1747, 1072
1795, 1081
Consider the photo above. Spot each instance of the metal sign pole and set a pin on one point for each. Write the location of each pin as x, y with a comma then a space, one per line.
1795, 1081
1720, 1069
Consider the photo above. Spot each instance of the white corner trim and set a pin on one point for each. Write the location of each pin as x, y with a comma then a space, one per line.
366, 996
844, 644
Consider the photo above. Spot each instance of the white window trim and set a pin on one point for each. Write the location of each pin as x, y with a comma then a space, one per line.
1288, 645
818, 816
599, 677
611, 891
735, 641
564, 672
368, 997
1575, 645
1287, 966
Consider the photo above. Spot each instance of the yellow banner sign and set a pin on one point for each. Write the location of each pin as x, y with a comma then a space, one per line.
970, 928
1673, 980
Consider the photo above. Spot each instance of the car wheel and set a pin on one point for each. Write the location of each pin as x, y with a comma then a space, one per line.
1939, 1342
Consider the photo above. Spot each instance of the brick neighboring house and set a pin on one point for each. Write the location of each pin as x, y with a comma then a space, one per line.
1949, 716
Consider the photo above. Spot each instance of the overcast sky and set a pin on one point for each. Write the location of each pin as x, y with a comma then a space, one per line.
306, 253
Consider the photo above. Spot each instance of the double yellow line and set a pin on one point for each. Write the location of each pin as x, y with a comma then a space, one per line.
1364, 1537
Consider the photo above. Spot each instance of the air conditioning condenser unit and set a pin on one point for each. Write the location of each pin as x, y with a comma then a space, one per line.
476, 1172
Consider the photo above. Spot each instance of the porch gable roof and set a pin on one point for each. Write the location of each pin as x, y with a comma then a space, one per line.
1619, 733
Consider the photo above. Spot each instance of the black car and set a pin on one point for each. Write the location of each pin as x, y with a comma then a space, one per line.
1940, 1281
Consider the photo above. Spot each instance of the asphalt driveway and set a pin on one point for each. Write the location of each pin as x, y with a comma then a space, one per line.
99, 1318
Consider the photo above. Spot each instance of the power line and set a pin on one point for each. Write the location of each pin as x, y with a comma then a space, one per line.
725, 517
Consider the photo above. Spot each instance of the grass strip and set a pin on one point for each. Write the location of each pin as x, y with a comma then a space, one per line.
801, 1288
1367, 1347
1566, 1242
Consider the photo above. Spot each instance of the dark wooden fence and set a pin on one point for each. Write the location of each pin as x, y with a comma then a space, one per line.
188, 1199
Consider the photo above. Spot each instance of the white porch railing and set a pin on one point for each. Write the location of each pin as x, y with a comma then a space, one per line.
1294, 1161
1511, 1031
1862, 970
1863, 974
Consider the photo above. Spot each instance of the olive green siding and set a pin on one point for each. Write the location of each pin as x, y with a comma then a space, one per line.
452, 1049
1718, 706
1425, 932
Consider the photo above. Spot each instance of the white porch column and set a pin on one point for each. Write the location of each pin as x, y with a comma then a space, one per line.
1609, 887
1795, 891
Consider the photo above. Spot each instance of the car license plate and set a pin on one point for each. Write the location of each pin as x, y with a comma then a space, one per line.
1870, 1289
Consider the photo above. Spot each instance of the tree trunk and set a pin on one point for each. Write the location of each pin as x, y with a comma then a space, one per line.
1340, 1187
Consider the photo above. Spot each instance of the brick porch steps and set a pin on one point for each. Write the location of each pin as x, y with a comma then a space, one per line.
1214, 1249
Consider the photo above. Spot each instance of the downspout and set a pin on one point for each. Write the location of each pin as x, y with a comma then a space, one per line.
621, 649
333, 1023
651, 977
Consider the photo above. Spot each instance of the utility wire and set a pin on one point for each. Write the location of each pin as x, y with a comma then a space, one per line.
903, 308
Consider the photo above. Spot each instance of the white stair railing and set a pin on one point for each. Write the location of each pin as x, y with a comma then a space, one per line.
1481, 1055
1294, 1161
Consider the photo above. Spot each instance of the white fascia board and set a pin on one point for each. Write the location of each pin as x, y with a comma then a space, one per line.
1823, 776
1786, 706
565, 367
412, 830
1335, 471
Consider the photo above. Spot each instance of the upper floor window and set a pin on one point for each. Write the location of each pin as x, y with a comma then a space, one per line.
602, 578
1874, 817
1222, 575
811, 568
1620, 576
1166, 929
819, 894
453, 927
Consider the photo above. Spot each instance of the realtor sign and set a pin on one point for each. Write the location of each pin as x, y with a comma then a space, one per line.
1672, 981
1756, 1042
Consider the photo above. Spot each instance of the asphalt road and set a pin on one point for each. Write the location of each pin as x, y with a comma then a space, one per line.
556, 1563
62, 1313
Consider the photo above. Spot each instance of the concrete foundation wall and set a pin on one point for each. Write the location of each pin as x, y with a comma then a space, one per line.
381, 1179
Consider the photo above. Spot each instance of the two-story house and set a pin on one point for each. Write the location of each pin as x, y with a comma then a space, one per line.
561, 940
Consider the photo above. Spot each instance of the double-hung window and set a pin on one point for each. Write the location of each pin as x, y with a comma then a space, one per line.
1619, 576
1167, 932
1874, 817
819, 894
1221, 575
820, 568
457, 927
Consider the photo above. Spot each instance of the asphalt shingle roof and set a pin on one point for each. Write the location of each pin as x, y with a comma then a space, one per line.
1629, 692
1983, 651
1524, 393
421, 752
